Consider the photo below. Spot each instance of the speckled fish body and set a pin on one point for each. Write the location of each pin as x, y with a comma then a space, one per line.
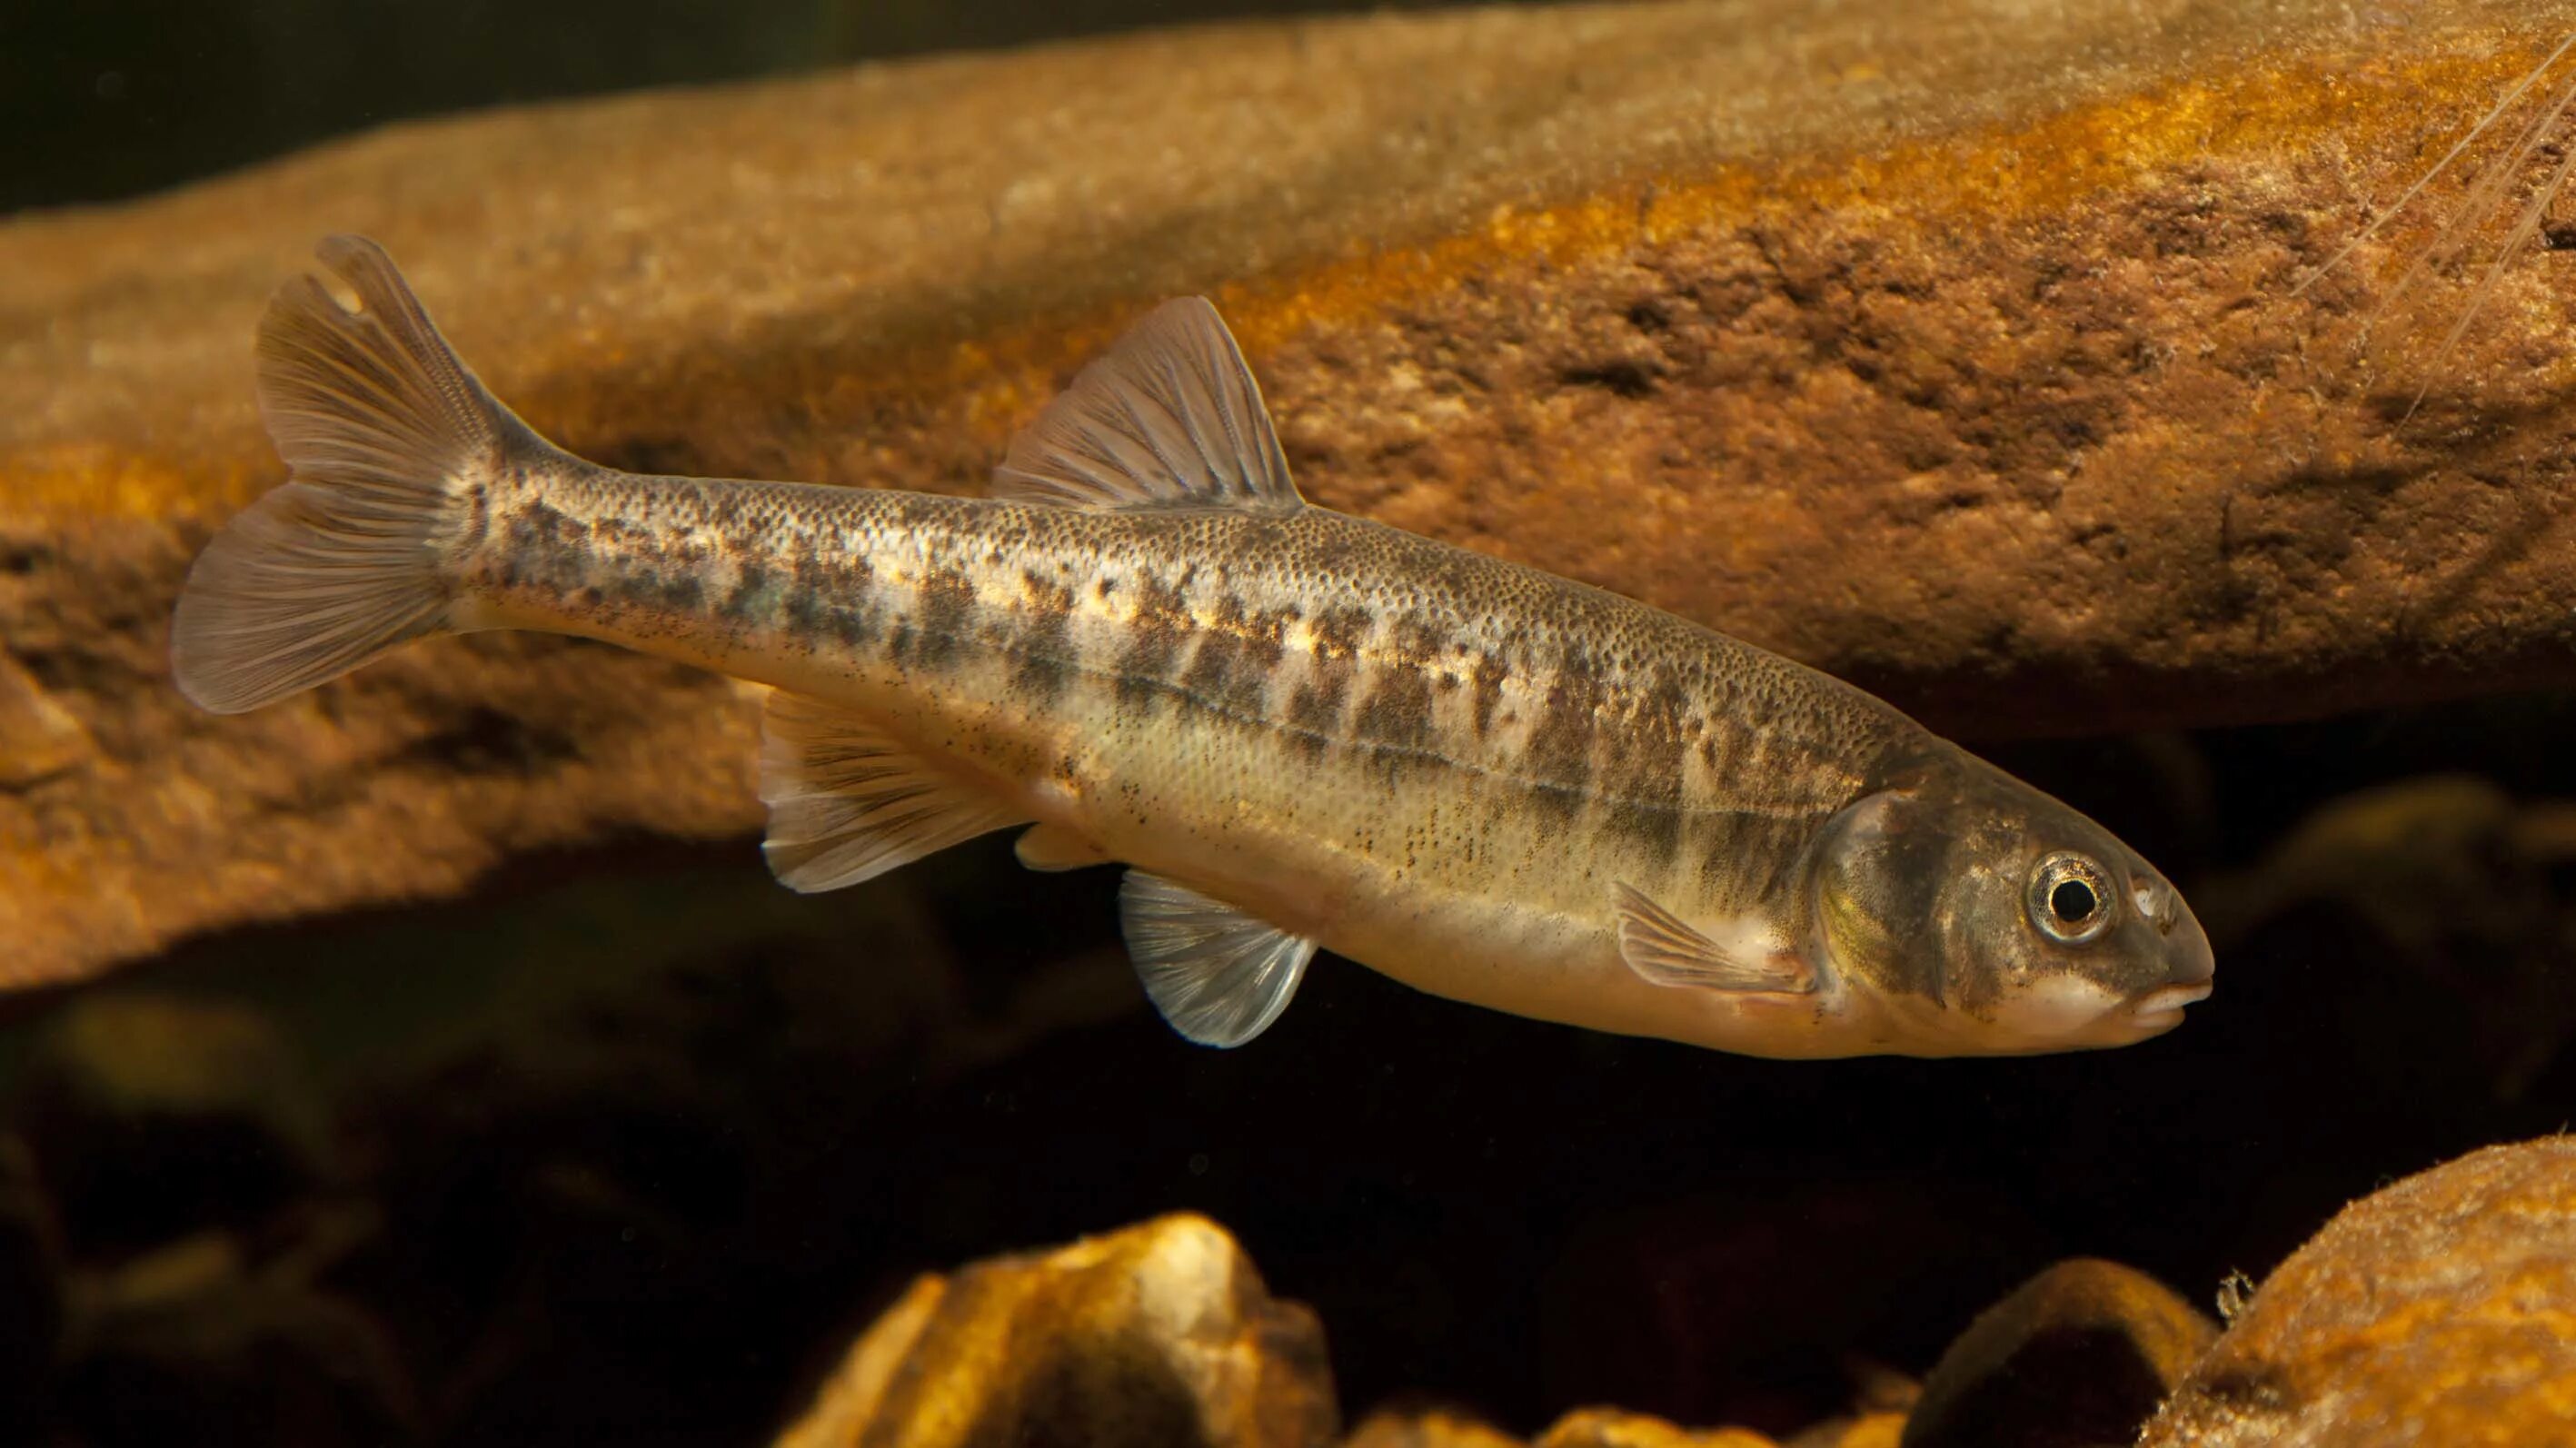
1425, 759
1298, 728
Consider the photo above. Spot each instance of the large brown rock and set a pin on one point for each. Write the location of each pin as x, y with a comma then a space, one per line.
1951, 346
1158, 1336
2439, 1310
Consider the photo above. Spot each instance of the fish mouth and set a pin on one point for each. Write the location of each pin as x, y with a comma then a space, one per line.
2162, 1008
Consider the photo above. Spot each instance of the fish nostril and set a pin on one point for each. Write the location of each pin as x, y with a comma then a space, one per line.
2155, 906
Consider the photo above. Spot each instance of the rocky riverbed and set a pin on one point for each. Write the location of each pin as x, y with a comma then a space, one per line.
430, 1059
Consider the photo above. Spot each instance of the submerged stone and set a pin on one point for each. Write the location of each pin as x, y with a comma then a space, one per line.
2432, 1311
2079, 1355
1159, 1336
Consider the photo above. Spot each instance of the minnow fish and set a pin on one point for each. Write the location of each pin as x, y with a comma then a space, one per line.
1298, 729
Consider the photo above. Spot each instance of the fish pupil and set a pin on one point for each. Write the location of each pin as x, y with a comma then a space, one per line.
2073, 901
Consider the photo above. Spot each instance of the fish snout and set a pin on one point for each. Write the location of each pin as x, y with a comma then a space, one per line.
2188, 959
2190, 972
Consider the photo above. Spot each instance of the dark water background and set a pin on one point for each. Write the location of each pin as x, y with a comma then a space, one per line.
625, 1147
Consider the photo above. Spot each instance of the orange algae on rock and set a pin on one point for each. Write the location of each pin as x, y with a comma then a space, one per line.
2438, 1310
1700, 305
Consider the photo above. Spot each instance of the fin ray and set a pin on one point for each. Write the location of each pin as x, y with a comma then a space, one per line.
1665, 949
384, 430
1169, 416
847, 803
1219, 976
2390, 211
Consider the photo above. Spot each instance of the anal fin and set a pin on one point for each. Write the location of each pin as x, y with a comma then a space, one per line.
1219, 976
848, 803
1666, 950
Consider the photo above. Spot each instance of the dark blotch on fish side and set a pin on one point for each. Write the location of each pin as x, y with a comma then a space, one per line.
1560, 747
1340, 631
1315, 707
1236, 655
1396, 714
832, 600
947, 606
1043, 653
1218, 678
675, 588
1155, 635
1487, 679
542, 547
752, 593
1654, 747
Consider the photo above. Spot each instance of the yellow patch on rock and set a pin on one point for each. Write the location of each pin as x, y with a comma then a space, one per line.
1158, 1336
2439, 1310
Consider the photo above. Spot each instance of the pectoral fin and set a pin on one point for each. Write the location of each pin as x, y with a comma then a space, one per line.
1665, 950
847, 803
1218, 976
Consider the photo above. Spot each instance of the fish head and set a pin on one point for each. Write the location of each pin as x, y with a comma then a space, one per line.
1970, 914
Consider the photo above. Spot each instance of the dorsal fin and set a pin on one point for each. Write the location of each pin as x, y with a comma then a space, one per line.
1168, 417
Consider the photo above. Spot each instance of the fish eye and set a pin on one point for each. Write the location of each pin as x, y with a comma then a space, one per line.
2070, 899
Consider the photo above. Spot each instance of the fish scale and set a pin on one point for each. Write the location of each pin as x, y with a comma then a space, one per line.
1298, 728
1211, 635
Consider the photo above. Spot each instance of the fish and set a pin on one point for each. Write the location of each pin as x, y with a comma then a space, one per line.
1299, 730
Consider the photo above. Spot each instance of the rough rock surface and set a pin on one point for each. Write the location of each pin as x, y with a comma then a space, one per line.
1609, 1428
2439, 1310
2081, 1354
1586, 1428
1162, 1335
1950, 346
1159, 1336
1427, 1428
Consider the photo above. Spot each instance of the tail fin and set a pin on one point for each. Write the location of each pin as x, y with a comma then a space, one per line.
387, 434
